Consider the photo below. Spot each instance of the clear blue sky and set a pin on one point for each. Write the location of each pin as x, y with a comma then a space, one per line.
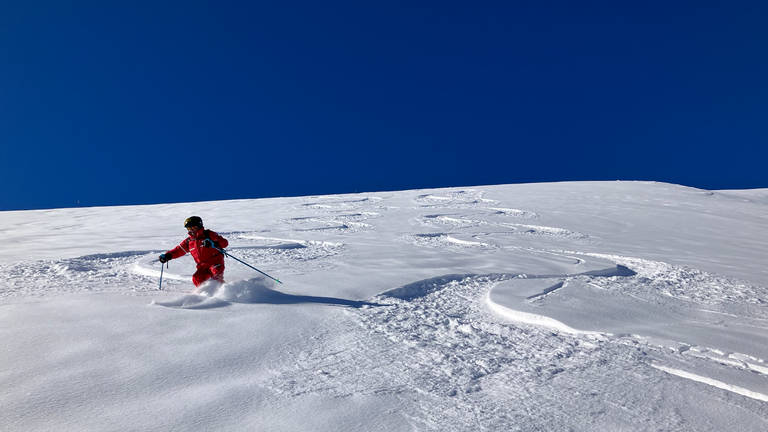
140, 102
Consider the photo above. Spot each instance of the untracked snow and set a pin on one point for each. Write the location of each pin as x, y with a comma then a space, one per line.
562, 306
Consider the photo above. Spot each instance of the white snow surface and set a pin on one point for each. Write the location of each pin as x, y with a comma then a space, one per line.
584, 306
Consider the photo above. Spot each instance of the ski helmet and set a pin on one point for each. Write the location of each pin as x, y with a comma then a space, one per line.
194, 221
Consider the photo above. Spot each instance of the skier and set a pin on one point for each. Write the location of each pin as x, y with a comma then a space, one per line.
200, 244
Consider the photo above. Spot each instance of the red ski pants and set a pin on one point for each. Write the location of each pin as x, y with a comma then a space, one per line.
215, 272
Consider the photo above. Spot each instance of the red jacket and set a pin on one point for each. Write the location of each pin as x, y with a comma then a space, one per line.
204, 256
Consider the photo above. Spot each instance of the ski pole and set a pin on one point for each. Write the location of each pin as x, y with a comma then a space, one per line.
161, 276
230, 256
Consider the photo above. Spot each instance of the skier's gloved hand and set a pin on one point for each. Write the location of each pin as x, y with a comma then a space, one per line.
209, 243
164, 258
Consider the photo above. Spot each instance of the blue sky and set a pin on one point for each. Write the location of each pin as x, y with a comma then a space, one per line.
141, 102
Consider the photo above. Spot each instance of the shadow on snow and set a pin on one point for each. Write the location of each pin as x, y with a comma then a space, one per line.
251, 291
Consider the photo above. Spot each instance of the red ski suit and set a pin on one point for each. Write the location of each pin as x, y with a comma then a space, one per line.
210, 262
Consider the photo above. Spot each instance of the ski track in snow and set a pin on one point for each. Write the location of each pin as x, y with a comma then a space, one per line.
138, 271
349, 223
467, 368
96, 273
463, 367
336, 205
489, 219
686, 283
462, 361
514, 213
456, 199
426, 345
450, 221
448, 242
546, 231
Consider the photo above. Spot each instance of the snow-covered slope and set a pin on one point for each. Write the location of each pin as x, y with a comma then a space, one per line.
562, 306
